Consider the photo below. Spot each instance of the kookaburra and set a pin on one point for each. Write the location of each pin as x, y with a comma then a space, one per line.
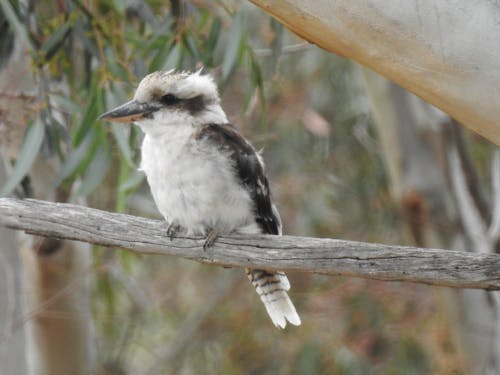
205, 178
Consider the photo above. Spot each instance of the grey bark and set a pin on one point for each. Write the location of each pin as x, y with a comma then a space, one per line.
318, 255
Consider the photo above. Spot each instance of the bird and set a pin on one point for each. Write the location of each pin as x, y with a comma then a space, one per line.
205, 177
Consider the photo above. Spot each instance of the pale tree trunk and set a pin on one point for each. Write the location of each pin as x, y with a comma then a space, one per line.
444, 51
58, 321
56, 273
429, 180
12, 345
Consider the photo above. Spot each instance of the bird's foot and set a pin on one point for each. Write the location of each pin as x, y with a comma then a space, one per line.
210, 239
172, 230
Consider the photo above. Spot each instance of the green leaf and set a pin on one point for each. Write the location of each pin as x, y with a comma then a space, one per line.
65, 103
15, 22
29, 151
78, 159
96, 172
132, 182
123, 173
120, 6
277, 44
256, 74
174, 57
191, 46
55, 41
121, 133
115, 67
160, 56
213, 37
90, 117
235, 48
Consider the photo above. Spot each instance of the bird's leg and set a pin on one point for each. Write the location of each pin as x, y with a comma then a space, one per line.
172, 229
212, 235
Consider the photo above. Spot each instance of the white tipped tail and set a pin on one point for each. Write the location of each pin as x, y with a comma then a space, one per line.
272, 287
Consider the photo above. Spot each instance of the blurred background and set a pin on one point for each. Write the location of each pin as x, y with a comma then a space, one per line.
349, 155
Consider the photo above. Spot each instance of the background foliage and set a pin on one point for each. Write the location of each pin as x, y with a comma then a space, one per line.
305, 107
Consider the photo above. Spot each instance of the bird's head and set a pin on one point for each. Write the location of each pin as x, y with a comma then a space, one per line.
167, 98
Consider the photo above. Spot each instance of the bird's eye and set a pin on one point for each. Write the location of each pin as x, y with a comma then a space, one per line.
169, 99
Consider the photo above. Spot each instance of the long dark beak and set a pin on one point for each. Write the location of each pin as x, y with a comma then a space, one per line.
129, 112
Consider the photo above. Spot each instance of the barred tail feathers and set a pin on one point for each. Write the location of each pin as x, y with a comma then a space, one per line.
272, 287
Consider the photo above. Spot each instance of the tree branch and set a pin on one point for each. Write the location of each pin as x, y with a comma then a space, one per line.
325, 256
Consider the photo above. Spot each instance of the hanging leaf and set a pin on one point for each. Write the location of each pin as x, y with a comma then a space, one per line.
161, 54
90, 117
117, 69
55, 41
6, 40
78, 159
120, 6
95, 173
256, 75
174, 57
132, 182
29, 151
14, 21
65, 104
191, 46
121, 133
213, 37
235, 48
276, 45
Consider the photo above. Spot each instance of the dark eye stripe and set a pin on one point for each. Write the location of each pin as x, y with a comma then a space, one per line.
192, 105
169, 99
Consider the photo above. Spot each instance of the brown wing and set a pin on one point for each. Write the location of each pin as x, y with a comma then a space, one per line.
250, 171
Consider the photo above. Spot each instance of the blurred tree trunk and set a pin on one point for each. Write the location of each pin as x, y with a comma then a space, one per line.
433, 180
12, 345
56, 273
445, 52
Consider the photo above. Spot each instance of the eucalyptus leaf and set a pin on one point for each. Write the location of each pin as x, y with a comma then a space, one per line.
55, 41
214, 34
14, 21
29, 152
89, 118
78, 159
277, 44
132, 182
174, 57
234, 49
120, 6
160, 56
65, 104
191, 46
256, 76
115, 67
121, 133
6, 40
95, 173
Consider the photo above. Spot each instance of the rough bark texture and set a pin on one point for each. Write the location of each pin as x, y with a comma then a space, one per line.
445, 52
326, 256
